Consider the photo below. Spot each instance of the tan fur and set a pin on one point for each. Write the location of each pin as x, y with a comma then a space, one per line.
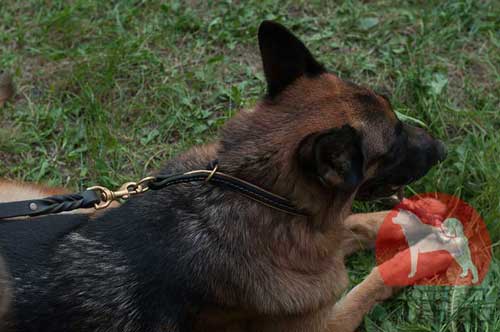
348, 313
361, 231
15, 191
307, 106
319, 256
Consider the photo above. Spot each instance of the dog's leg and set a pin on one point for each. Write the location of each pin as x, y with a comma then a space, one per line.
348, 313
361, 231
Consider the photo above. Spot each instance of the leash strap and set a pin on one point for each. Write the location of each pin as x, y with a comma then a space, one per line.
48, 205
101, 197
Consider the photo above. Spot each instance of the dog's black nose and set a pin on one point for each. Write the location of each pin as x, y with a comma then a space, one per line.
441, 151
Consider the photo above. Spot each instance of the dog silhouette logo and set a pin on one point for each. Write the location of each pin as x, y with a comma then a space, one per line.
423, 238
433, 239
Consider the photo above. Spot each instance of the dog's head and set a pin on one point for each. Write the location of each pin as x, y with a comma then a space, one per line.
340, 135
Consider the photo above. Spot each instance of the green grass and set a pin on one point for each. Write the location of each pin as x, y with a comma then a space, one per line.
107, 91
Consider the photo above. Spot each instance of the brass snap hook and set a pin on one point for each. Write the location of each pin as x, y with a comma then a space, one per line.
124, 192
105, 196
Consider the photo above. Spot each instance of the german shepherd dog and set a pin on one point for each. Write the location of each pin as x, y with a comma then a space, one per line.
198, 257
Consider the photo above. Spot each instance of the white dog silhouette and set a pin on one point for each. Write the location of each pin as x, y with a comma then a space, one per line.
424, 238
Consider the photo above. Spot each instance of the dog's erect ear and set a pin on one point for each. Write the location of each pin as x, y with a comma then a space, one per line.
284, 56
334, 157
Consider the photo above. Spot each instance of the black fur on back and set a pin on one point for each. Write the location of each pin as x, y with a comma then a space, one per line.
145, 266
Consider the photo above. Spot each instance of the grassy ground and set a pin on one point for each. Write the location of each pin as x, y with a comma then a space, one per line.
108, 90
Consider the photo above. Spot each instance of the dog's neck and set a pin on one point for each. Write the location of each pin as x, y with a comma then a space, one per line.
255, 154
